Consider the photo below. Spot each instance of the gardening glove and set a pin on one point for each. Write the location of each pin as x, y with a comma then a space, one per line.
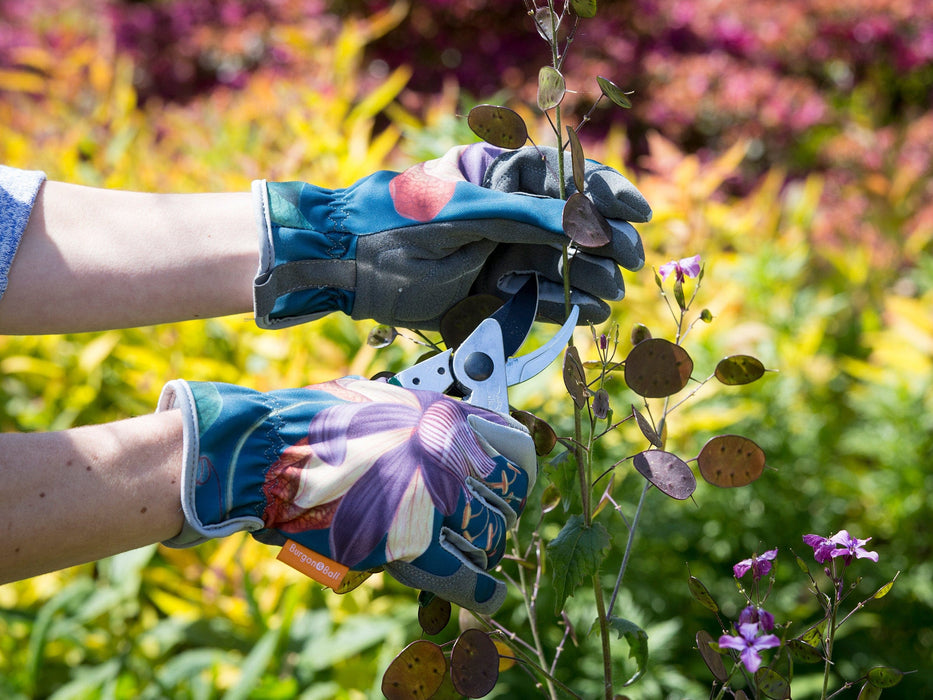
403, 248
365, 473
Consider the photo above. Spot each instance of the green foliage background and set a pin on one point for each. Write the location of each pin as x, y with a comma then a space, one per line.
846, 420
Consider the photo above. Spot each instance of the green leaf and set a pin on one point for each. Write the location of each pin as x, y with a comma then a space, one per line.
886, 588
614, 92
772, 684
551, 88
739, 369
584, 8
701, 594
575, 554
885, 676
499, 126
562, 472
637, 640
577, 159
801, 651
869, 692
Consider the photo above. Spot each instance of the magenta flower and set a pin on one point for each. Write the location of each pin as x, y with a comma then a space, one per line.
748, 642
759, 565
757, 616
822, 547
685, 267
848, 547
842, 544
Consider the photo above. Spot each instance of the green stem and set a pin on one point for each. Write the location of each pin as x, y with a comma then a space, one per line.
628, 547
604, 635
830, 632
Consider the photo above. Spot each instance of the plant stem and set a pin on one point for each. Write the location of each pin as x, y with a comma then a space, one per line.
831, 631
604, 635
628, 547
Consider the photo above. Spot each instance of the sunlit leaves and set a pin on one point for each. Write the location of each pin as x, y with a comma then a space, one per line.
499, 126
575, 555
551, 88
739, 369
614, 92
474, 664
415, 673
637, 640
731, 461
668, 472
886, 588
656, 368
583, 223
711, 657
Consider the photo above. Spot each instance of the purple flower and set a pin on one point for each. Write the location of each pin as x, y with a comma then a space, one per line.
375, 468
822, 547
685, 267
842, 544
749, 643
848, 547
759, 565
757, 616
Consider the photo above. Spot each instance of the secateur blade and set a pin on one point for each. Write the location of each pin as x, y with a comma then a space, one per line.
482, 368
483, 365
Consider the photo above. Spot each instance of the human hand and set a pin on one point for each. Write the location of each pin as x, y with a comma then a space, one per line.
365, 473
403, 248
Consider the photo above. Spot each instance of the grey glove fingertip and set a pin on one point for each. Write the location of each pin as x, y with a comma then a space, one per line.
459, 588
511, 441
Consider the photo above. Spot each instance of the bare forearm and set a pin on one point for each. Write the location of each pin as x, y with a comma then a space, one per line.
79, 495
93, 258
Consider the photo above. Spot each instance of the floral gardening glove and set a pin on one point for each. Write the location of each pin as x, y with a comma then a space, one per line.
365, 473
403, 248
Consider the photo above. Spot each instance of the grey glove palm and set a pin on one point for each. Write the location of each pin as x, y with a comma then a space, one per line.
402, 248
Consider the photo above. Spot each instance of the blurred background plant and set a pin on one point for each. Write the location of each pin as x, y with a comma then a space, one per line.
787, 143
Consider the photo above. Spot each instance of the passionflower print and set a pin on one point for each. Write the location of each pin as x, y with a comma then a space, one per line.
376, 469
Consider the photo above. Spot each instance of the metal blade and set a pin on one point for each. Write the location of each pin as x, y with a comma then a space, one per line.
520, 369
517, 315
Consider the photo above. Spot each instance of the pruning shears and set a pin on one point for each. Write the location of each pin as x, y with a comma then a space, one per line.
483, 367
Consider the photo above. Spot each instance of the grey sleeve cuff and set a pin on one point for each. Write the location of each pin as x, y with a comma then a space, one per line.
18, 190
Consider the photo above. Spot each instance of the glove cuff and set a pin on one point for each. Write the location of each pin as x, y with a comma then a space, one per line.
295, 286
201, 523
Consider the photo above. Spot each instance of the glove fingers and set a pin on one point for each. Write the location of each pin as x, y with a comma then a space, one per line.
451, 577
592, 278
525, 170
511, 441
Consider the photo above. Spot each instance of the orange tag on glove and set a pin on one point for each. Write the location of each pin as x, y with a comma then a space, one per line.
312, 564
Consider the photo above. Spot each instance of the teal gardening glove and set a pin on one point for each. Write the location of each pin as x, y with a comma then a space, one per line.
403, 248
365, 473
